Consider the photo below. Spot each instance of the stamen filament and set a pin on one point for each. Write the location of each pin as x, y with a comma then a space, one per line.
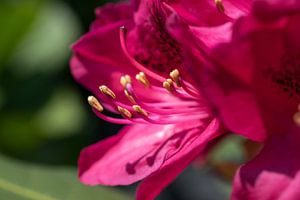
188, 90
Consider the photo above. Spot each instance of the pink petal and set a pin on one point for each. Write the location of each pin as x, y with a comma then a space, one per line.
250, 87
104, 63
136, 152
274, 173
205, 12
111, 13
273, 9
152, 185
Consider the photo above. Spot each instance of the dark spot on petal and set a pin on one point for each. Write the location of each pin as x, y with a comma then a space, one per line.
150, 161
287, 75
130, 169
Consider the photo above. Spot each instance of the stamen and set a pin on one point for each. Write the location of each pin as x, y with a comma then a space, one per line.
141, 77
220, 6
296, 118
139, 110
93, 101
108, 92
168, 84
124, 80
129, 97
176, 77
188, 90
124, 112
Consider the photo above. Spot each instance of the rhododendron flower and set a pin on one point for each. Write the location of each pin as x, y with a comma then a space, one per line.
169, 121
253, 81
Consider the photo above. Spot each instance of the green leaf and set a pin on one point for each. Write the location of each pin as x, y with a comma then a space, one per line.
20, 181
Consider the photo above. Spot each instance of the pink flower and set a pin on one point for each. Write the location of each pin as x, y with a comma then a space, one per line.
253, 81
168, 127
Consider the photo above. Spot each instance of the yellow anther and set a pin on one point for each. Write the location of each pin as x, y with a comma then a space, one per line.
93, 101
124, 112
175, 76
296, 118
131, 99
140, 110
168, 84
108, 92
141, 77
220, 6
124, 80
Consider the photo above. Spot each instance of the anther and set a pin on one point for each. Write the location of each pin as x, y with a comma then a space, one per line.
220, 6
141, 77
140, 110
176, 77
296, 118
129, 97
168, 84
93, 101
124, 80
124, 112
108, 92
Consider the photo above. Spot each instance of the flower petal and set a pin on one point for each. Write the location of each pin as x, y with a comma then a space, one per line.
103, 64
254, 83
274, 173
152, 185
273, 9
206, 13
136, 152
111, 13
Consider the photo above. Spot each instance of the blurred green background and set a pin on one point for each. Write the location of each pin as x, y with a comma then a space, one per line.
44, 118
